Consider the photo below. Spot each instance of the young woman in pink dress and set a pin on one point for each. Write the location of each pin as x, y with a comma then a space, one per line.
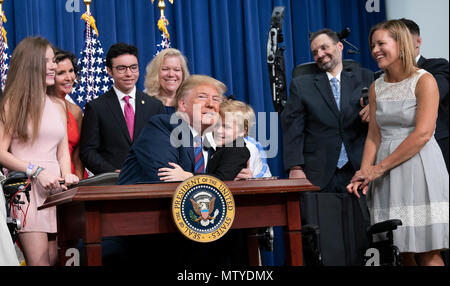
33, 139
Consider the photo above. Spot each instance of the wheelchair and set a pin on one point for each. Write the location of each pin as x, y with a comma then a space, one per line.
382, 252
14, 186
17, 184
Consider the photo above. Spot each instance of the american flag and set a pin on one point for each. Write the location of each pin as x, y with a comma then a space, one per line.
93, 79
165, 43
4, 52
165, 37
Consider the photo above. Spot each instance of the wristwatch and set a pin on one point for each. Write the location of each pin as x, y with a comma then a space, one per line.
38, 171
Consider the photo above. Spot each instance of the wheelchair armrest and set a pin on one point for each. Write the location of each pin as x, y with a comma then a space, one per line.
105, 179
387, 225
310, 228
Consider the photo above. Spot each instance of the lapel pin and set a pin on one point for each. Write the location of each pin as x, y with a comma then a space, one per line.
143, 102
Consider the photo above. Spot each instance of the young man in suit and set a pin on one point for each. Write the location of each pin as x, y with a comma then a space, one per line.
439, 68
323, 132
113, 121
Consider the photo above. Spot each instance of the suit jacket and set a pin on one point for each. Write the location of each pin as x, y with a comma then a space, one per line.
104, 139
439, 68
163, 141
314, 128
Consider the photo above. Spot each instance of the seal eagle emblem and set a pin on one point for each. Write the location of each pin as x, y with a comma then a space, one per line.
203, 208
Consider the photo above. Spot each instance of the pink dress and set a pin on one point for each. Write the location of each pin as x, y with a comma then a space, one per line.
41, 152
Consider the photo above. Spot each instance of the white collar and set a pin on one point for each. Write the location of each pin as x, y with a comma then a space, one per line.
121, 95
418, 58
338, 76
208, 136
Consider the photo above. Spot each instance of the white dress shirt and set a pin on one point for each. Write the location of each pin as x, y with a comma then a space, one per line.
121, 95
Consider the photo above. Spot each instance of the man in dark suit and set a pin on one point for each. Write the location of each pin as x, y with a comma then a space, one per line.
114, 121
439, 68
171, 139
167, 139
323, 132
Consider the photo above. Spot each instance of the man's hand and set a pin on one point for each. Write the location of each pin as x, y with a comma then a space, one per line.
364, 113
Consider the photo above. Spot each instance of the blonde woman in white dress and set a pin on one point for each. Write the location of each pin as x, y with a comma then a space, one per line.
403, 171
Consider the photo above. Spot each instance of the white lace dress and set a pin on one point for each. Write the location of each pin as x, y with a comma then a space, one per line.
417, 190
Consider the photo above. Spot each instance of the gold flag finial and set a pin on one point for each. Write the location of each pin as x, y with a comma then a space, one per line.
163, 22
91, 19
88, 6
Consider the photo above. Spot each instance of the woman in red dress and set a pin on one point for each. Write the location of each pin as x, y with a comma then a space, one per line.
66, 73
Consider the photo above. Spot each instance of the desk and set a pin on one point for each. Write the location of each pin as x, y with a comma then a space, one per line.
94, 212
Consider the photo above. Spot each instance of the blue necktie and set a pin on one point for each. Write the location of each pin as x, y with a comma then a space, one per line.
199, 166
343, 159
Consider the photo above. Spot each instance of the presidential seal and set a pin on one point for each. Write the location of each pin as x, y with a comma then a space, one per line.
203, 208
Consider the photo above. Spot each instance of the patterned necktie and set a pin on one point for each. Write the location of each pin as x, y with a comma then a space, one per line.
336, 91
343, 158
129, 116
198, 153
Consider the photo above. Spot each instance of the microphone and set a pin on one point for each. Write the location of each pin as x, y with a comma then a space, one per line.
344, 34
365, 96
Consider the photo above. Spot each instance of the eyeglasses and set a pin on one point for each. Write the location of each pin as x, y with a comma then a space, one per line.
123, 69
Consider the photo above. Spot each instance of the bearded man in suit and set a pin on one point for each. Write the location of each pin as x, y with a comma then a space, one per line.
323, 130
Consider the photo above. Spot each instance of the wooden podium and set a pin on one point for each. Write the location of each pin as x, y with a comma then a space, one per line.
93, 212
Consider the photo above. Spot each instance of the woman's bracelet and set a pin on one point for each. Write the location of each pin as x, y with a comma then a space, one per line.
30, 168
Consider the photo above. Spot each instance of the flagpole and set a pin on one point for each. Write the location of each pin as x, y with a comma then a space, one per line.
93, 78
162, 6
88, 6
163, 23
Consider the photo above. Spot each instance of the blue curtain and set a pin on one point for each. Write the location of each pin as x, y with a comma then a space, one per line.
224, 39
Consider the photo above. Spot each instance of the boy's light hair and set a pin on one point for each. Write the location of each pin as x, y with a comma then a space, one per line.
241, 113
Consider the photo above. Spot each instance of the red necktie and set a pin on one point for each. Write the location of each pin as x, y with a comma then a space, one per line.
199, 162
129, 116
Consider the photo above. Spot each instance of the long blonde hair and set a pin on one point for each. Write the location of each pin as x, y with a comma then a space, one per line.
400, 33
26, 88
152, 85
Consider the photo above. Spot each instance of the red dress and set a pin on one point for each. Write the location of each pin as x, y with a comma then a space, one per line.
73, 135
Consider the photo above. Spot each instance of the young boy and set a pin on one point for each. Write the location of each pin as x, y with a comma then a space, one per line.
257, 164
